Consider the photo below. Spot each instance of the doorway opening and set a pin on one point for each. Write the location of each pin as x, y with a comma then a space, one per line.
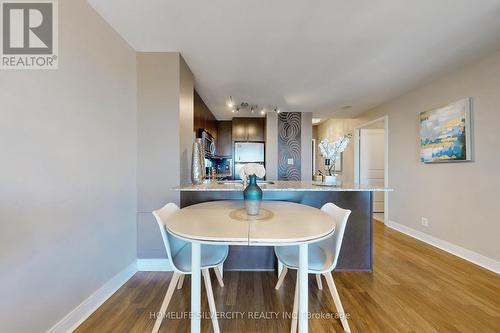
371, 141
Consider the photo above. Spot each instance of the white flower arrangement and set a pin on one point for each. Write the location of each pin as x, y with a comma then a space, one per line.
331, 150
252, 169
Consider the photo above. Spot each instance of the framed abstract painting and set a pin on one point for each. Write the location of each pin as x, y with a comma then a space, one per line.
445, 133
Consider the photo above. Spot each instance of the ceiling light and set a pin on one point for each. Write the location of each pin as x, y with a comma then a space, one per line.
277, 110
230, 103
232, 110
237, 110
263, 112
251, 109
316, 121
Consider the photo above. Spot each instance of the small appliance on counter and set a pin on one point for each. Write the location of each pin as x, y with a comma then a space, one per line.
223, 167
247, 152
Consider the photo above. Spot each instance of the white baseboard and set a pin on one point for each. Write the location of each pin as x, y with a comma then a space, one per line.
153, 265
73, 319
476, 258
79, 314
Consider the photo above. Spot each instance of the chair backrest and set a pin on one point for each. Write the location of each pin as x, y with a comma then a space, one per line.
172, 244
340, 216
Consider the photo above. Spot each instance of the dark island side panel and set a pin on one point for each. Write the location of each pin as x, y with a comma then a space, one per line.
356, 252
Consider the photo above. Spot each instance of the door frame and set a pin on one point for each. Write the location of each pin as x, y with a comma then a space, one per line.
313, 158
357, 131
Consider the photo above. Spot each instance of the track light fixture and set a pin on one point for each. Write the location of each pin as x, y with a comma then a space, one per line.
246, 107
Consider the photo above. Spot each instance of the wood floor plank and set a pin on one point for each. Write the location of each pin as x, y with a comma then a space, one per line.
414, 288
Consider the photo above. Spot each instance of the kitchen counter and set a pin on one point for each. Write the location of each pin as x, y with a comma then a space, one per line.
356, 252
280, 185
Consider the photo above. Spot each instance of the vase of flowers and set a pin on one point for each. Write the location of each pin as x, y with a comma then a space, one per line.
252, 193
331, 151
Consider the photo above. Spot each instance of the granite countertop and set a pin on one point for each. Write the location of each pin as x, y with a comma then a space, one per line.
280, 185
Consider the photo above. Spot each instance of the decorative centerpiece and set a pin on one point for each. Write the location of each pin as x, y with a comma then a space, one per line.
331, 151
198, 163
252, 193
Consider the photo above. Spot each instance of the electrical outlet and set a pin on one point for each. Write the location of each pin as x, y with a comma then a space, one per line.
425, 222
290, 161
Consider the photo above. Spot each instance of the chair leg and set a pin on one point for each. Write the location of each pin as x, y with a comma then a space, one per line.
181, 281
318, 281
221, 269
281, 277
166, 300
336, 300
218, 274
280, 268
295, 311
211, 301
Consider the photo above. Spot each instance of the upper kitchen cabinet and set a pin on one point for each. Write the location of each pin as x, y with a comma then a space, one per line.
255, 129
203, 117
239, 129
248, 129
224, 138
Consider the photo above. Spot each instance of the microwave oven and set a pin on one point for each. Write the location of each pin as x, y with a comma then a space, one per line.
208, 143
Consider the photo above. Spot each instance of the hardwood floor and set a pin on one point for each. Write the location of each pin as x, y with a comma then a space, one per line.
414, 288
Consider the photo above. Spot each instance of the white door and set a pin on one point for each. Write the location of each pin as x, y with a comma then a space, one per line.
371, 163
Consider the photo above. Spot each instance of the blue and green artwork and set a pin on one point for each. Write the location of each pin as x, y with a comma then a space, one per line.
445, 133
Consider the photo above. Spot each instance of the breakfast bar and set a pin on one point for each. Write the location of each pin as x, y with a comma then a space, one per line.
356, 253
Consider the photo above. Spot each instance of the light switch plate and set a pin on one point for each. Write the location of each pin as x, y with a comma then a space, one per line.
290, 161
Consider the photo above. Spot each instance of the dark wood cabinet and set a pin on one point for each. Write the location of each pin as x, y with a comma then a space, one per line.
239, 129
248, 129
255, 129
203, 118
224, 138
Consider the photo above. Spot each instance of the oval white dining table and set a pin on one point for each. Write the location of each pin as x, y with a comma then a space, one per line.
217, 223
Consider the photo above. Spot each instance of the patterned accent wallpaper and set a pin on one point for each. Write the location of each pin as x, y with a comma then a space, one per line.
289, 145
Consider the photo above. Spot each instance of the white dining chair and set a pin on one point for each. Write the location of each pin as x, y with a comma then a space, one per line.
322, 260
179, 254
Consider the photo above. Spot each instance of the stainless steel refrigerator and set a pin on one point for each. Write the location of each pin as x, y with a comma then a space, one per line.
247, 152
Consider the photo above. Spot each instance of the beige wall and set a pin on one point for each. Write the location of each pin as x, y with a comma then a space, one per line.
68, 190
459, 199
165, 134
306, 146
380, 124
186, 121
271, 145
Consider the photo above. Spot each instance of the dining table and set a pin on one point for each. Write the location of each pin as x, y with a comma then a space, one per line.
225, 222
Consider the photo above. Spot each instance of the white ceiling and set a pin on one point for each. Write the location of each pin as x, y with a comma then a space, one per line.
309, 55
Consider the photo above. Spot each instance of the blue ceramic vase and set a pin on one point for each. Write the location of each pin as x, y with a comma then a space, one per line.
253, 196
